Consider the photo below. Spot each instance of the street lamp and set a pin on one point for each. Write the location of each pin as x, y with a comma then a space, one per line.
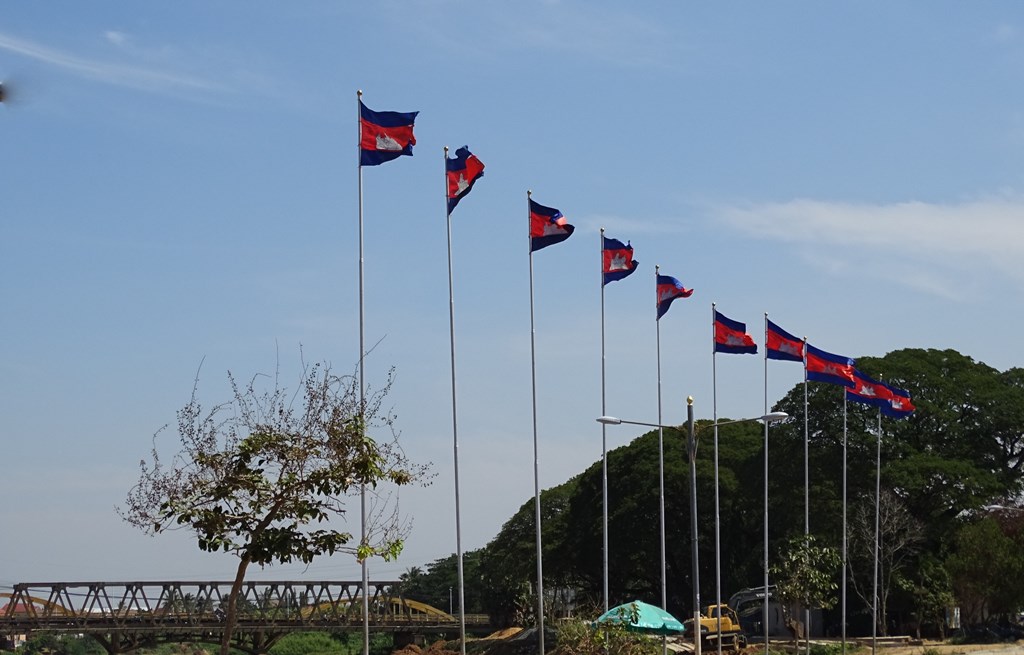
1001, 508
771, 417
692, 452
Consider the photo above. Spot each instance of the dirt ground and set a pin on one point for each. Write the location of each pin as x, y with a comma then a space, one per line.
921, 648
943, 648
502, 644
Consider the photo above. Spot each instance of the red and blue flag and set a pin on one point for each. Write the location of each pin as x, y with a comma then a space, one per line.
384, 135
731, 336
462, 172
547, 226
668, 289
826, 367
867, 391
899, 404
617, 260
779, 344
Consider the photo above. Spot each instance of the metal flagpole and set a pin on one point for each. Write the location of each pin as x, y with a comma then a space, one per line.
362, 379
878, 491
807, 493
765, 613
692, 449
661, 460
536, 456
455, 422
604, 442
718, 545
842, 613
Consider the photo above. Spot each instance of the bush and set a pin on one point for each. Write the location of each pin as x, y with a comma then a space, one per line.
579, 638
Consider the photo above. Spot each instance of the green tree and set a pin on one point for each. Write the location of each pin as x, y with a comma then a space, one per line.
260, 475
312, 643
508, 564
48, 643
962, 449
986, 567
931, 594
806, 575
438, 585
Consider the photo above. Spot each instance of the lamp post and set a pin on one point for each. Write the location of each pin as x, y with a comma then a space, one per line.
771, 417
692, 452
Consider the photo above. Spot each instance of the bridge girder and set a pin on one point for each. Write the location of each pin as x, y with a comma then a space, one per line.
124, 616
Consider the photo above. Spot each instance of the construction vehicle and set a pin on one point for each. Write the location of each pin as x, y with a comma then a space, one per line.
731, 635
749, 605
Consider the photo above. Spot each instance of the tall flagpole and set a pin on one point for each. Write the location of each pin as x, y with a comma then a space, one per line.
455, 422
362, 379
661, 460
691, 447
878, 491
843, 611
536, 456
718, 544
604, 443
807, 492
765, 563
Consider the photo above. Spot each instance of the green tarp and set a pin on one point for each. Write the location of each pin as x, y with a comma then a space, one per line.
641, 617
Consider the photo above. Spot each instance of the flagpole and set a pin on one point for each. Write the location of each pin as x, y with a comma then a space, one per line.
878, 491
455, 421
362, 377
536, 456
843, 611
807, 493
604, 441
718, 545
765, 613
661, 459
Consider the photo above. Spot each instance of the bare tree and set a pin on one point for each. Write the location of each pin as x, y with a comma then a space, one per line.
262, 475
899, 537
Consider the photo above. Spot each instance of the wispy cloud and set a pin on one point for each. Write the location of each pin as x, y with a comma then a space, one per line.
923, 242
1004, 33
634, 225
617, 36
125, 75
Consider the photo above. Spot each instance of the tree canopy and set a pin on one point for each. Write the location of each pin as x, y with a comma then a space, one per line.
263, 475
960, 451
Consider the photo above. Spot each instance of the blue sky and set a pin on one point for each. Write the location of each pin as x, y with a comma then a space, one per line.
179, 187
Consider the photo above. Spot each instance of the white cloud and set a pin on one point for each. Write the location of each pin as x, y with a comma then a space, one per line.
1004, 33
117, 38
603, 32
924, 239
135, 77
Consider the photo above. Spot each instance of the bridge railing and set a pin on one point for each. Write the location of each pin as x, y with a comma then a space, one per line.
175, 605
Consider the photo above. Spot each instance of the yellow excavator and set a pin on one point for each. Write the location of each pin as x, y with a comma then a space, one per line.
731, 634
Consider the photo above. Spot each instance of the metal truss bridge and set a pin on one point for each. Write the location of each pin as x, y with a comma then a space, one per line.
123, 616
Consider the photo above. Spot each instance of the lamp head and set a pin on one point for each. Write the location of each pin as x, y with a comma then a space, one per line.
609, 420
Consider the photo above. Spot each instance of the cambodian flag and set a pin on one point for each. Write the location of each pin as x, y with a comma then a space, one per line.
617, 260
547, 227
384, 135
825, 367
668, 289
731, 336
779, 344
463, 172
868, 391
899, 404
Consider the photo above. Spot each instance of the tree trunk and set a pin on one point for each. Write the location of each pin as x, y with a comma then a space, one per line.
231, 616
